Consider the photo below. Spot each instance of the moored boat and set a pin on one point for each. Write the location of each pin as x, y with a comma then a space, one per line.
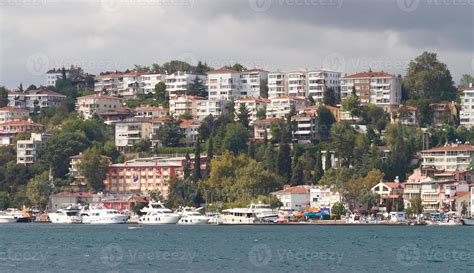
100, 215
69, 215
191, 216
467, 222
157, 214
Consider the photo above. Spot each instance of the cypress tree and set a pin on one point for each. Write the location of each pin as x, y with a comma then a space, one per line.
197, 160
251, 150
327, 161
187, 167
269, 157
284, 161
210, 155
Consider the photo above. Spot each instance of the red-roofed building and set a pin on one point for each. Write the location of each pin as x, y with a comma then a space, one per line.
379, 88
295, 198
253, 105
40, 98
262, 128
223, 84
87, 106
444, 113
11, 128
12, 113
406, 115
109, 82
449, 157
190, 129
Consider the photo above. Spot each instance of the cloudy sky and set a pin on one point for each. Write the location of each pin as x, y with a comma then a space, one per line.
347, 35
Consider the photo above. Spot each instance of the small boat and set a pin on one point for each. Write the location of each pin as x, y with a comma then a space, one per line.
157, 214
69, 215
7, 218
467, 222
100, 215
12, 215
191, 216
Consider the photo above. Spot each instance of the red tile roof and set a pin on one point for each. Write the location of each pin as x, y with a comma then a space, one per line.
294, 190
268, 120
370, 75
186, 123
44, 91
461, 193
288, 97
394, 185
13, 109
223, 71
96, 96
457, 147
20, 122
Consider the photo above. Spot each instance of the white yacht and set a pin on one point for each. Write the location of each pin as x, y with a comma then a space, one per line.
6, 217
156, 214
255, 213
102, 215
69, 215
192, 216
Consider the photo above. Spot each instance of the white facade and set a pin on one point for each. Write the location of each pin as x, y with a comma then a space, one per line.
109, 83
87, 106
253, 105
294, 198
185, 104
223, 84
13, 113
297, 84
177, 84
250, 81
131, 85
280, 107
306, 127
151, 112
466, 115
277, 84
53, 75
450, 157
131, 131
27, 150
321, 80
148, 82
211, 107
323, 198
41, 98
379, 88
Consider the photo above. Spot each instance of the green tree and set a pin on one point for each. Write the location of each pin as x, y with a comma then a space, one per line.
325, 121
284, 161
170, 134
183, 192
330, 97
197, 161
338, 210
429, 78
251, 150
197, 88
297, 172
186, 116
31, 87
264, 88
235, 138
261, 113
466, 79
343, 141
94, 168
3, 96
187, 166
327, 160
161, 95
4, 200
39, 189
244, 115
210, 156
141, 146
269, 157
352, 105
416, 205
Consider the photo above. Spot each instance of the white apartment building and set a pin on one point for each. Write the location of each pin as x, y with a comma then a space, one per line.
109, 83
379, 88
297, 84
41, 98
151, 112
306, 127
131, 85
253, 105
223, 84
87, 106
185, 104
323, 198
250, 81
450, 157
130, 131
12, 113
280, 107
27, 150
177, 84
211, 107
149, 81
466, 114
53, 75
294, 198
263, 127
190, 129
277, 84
9, 129
321, 80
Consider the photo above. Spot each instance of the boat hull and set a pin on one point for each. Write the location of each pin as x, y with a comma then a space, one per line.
4, 220
193, 221
467, 222
103, 221
158, 220
62, 219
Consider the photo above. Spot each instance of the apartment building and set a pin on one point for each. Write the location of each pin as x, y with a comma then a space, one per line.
130, 131
87, 106
280, 107
321, 80
444, 113
297, 84
8, 130
466, 115
27, 150
190, 129
12, 113
109, 83
149, 81
449, 157
306, 127
151, 112
177, 84
211, 107
323, 198
262, 128
223, 84
131, 85
53, 75
250, 82
185, 104
294, 198
277, 84
35, 99
253, 105
379, 88
406, 115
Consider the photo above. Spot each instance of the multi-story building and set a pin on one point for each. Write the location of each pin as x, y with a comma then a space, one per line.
294, 198
149, 81
191, 130
449, 157
146, 174
406, 115
185, 104
306, 127
262, 128
277, 84
388, 191
27, 150
466, 115
253, 105
131, 85
250, 82
155, 127
87, 106
130, 131
35, 99
109, 83
177, 84
323, 198
444, 113
211, 107
280, 107
151, 112
321, 80
53, 75
297, 83
223, 84
8, 130
12, 113
379, 88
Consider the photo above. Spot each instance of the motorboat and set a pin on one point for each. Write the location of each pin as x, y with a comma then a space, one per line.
255, 213
214, 218
7, 218
191, 216
157, 214
467, 222
12, 215
69, 215
101, 215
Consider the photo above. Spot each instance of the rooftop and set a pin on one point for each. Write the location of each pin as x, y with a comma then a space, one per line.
370, 74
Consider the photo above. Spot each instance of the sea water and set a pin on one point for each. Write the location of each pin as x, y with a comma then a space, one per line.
171, 248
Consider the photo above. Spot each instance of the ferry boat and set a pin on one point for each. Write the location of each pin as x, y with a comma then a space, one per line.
100, 215
255, 213
191, 216
157, 214
69, 215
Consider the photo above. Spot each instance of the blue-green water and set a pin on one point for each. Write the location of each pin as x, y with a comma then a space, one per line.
117, 248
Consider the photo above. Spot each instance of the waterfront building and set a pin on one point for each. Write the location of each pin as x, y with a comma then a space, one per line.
449, 157
323, 198
294, 198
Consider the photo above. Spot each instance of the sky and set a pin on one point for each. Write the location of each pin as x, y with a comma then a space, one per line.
345, 35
